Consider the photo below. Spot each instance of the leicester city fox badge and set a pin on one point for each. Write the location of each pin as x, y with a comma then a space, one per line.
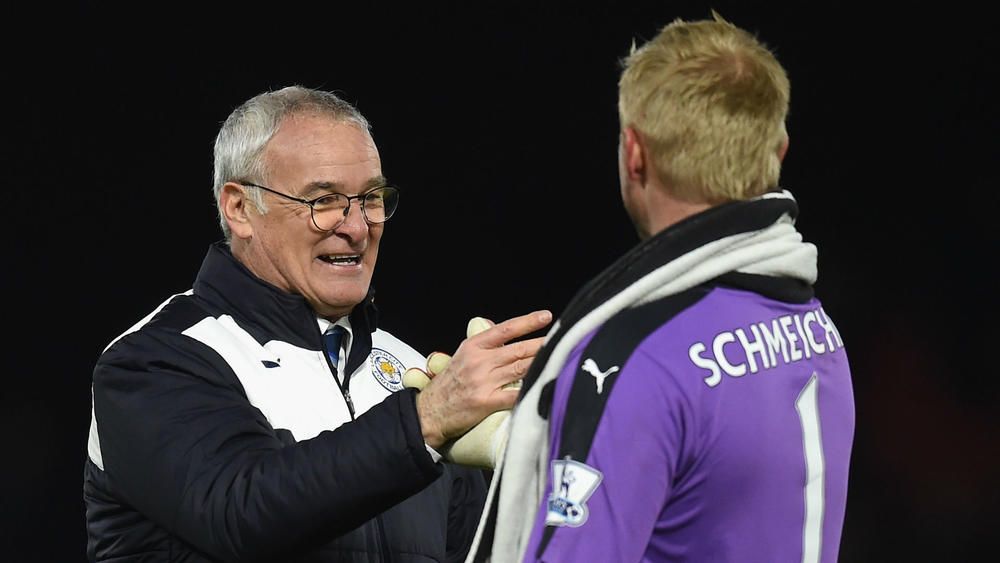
572, 484
388, 371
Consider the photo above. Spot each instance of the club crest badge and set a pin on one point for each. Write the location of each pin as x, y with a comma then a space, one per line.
572, 484
388, 371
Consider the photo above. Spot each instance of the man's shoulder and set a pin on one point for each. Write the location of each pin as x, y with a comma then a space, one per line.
174, 315
670, 330
709, 309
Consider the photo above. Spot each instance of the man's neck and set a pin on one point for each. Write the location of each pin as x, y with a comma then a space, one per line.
666, 210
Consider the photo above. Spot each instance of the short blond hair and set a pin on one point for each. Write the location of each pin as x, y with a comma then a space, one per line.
711, 102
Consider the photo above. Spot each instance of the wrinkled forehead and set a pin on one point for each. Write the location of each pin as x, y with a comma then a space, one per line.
303, 129
314, 148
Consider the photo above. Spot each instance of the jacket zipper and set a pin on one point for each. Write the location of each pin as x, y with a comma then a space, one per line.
350, 403
344, 390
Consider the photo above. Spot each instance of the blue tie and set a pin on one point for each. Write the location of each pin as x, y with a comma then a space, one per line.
333, 338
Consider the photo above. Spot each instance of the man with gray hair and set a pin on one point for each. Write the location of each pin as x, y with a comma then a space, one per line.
693, 402
261, 415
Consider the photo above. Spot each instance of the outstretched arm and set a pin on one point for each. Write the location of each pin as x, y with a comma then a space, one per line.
476, 381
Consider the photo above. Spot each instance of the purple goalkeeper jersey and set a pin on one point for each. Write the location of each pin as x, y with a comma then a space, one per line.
713, 425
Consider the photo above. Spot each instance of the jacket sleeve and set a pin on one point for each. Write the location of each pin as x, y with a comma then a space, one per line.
468, 496
182, 445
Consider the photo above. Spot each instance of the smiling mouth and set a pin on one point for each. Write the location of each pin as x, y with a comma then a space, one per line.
348, 260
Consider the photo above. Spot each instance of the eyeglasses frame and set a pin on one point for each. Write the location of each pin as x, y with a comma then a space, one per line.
312, 203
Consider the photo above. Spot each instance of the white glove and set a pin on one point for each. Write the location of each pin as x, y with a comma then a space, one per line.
483, 445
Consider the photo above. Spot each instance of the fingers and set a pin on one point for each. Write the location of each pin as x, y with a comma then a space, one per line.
437, 362
481, 378
418, 379
515, 372
520, 367
498, 335
512, 359
415, 378
519, 350
477, 325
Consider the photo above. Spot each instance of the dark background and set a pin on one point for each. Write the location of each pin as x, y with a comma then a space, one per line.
500, 125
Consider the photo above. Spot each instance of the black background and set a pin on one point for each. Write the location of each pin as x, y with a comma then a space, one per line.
500, 125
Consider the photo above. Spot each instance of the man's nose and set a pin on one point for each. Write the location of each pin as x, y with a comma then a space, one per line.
353, 220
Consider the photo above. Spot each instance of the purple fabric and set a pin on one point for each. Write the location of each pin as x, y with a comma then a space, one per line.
700, 472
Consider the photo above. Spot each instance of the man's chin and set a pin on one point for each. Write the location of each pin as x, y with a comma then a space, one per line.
340, 304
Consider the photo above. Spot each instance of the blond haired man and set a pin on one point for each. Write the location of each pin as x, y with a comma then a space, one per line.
693, 402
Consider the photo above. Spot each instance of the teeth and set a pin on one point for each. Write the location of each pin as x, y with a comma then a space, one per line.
343, 259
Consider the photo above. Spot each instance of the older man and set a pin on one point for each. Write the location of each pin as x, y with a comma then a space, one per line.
261, 415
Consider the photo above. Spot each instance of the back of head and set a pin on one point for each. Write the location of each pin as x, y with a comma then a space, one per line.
711, 102
240, 143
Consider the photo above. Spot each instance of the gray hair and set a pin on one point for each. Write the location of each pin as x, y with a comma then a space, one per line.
240, 143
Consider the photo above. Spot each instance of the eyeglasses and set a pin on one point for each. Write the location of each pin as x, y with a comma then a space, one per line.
330, 211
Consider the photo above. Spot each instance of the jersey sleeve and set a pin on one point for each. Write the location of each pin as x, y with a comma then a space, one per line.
604, 506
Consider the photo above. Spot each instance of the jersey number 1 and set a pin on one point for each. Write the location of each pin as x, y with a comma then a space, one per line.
807, 406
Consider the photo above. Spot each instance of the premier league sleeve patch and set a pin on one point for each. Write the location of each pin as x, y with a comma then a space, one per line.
388, 371
572, 484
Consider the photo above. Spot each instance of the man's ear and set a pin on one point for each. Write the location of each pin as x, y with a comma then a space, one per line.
235, 207
634, 154
783, 149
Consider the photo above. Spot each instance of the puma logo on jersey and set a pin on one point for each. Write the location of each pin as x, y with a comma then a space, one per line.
590, 366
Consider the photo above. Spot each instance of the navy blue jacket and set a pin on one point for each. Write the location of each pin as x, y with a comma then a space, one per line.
220, 433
